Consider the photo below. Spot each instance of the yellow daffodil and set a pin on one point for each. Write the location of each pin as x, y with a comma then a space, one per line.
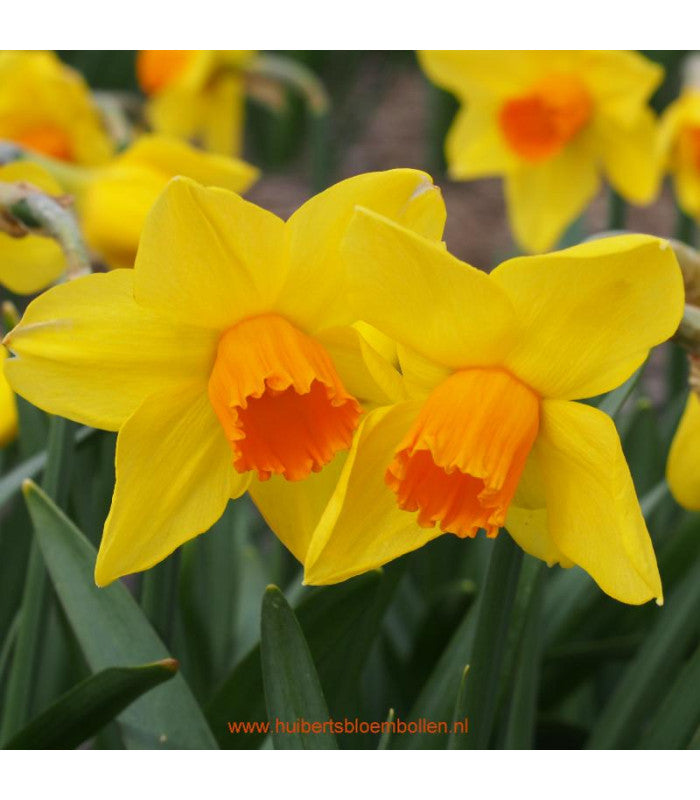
226, 360
491, 436
30, 263
550, 122
46, 106
679, 138
683, 467
8, 406
113, 201
196, 94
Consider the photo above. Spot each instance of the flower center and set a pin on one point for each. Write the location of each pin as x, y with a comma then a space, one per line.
156, 69
689, 144
460, 463
537, 125
47, 139
279, 399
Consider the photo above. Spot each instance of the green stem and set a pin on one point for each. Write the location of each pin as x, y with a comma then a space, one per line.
685, 228
35, 596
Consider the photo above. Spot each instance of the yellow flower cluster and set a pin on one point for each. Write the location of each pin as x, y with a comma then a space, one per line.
369, 390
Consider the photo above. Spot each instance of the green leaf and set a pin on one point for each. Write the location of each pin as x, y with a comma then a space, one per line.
460, 715
678, 716
523, 680
386, 736
112, 630
293, 693
677, 625
494, 610
35, 596
81, 712
12, 482
340, 624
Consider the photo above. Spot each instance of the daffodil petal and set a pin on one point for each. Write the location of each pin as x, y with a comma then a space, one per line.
413, 290
527, 520
366, 374
475, 144
292, 509
629, 156
362, 527
209, 257
171, 157
591, 313
85, 350
683, 468
471, 73
8, 406
593, 512
174, 479
314, 293
420, 374
545, 198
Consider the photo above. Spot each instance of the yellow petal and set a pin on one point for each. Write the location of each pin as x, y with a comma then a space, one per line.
630, 157
209, 257
222, 124
32, 263
683, 468
315, 291
116, 201
475, 146
527, 520
292, 509
85, 350
413, 290
362, 527
172, 157
472, 73
420, 374
590, 313
621, 82
174, 479
544, 199
8, 406
593, 512
366, 373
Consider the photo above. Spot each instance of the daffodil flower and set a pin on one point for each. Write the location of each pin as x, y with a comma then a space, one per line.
226, 359
491, 436
679, 139
196, 94
30, 263
551, 123
46, 107
114, 200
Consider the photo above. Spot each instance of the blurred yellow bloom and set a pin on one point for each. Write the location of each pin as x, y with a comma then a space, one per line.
46, 106
114, 200
683, 467
550, 122
226, 360
679, 138
31, 263
198, 95
8, 406
490, 436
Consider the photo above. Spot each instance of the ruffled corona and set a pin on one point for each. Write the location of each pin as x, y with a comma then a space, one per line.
460, 463
279, 399
538, 125
156, 69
